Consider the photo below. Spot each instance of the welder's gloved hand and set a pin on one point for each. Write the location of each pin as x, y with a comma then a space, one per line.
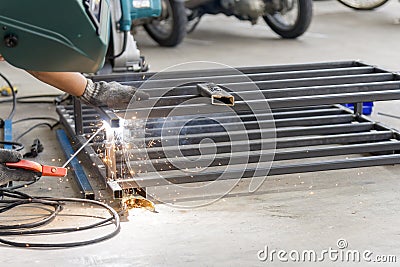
8, 174
111, 94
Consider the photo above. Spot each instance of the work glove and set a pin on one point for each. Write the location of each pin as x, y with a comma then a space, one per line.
111, 94
8, 174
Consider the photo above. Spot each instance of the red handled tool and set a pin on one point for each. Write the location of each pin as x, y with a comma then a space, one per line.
43, 170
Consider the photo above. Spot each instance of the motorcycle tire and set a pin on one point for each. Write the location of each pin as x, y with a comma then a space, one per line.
159, 32
362, 4
303, 20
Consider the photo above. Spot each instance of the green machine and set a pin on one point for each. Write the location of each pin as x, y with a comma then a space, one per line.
35, 37
71, 35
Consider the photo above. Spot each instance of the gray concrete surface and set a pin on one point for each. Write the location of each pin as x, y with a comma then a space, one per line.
291, 212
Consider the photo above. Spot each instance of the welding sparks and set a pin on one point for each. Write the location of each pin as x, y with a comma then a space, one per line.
151, 143
132, 202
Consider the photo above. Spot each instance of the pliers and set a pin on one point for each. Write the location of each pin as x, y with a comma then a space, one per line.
41, 170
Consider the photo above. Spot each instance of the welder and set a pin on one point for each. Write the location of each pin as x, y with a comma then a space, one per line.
112, 94
56, 54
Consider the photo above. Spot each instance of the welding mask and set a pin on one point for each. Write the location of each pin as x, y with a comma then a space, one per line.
48, 35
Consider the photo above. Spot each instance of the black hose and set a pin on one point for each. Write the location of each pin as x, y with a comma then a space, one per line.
19, 199
14, 98
124, 45
36, 126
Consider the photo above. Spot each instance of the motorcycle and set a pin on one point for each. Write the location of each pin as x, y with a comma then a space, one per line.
362, 4
287, 18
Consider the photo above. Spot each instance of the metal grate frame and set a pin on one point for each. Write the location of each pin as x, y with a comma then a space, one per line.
313, 131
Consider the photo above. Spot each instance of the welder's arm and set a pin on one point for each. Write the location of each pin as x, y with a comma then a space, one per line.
8, 174
112, 94
72, 83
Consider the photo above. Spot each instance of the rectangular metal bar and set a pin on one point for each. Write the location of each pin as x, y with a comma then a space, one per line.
116, 189
150, 108
85, 110
251, 145
387, 147
211, 125
66, 121
301, 109
301, 113
110, 117
177, 177
337, 165
7, 134
335, 99
78, 116
358, 108
173, 138
250, 92
321, 81
275, 84
97, 166
81, 178
277, 114
236, 77
219, 72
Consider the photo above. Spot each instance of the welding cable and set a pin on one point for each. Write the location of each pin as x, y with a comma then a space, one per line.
124, 45
14, 187
15, 145
14, 98
35, 118
10, 186
51, 126
24, 200
56, 203
22, 99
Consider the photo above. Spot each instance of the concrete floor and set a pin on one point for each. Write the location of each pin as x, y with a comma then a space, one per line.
291, 212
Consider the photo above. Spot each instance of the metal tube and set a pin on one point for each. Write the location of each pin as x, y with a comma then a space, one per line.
78, 116
177, 177
387, 147
226, 147
249, 92
236, 77
218, 95
151, 108
110, 117
173, 138
216, 72
276, 84
83, 183
212, 125
277, 114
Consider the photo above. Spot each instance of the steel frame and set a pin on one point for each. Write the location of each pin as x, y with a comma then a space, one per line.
313, 131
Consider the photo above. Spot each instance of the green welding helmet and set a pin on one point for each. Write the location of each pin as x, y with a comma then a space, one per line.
48, 35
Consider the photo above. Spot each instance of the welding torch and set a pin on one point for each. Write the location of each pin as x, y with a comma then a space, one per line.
14, 168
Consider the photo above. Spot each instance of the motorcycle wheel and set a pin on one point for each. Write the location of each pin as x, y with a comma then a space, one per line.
363, 4
171, 29
293, 23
